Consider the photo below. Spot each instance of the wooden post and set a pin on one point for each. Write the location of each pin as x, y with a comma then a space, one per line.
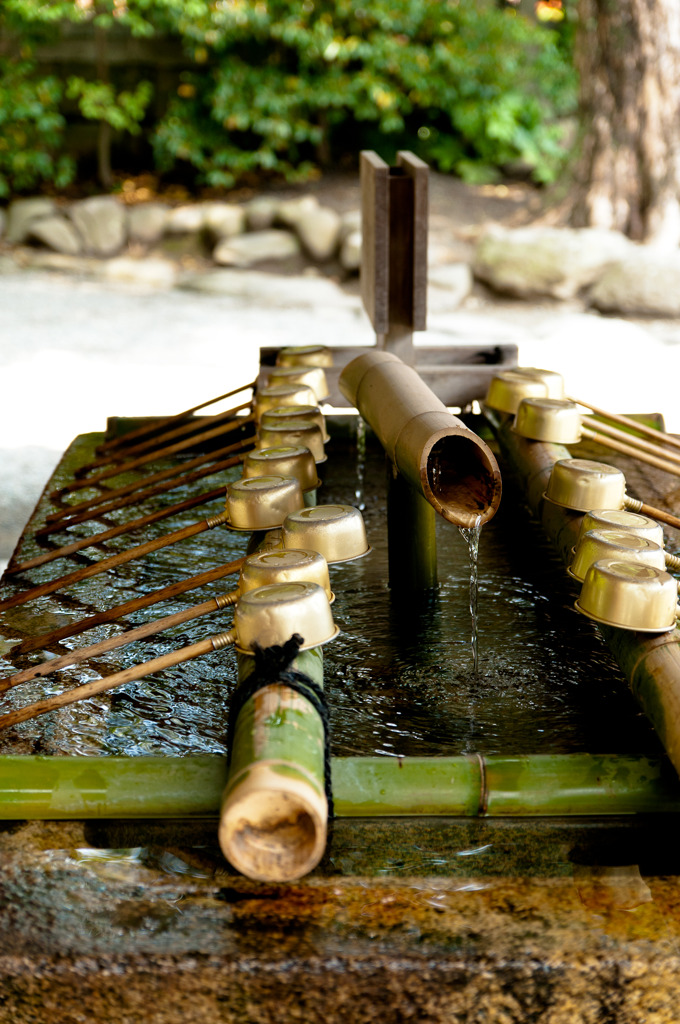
394, 208
411, 538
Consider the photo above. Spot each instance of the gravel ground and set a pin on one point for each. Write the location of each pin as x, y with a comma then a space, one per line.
73, 352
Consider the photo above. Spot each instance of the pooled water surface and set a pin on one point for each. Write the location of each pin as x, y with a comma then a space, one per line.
400, 678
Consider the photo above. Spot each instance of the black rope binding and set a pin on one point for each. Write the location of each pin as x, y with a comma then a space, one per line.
272, 665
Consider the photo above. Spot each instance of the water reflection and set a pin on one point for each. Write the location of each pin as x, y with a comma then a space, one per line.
400, 677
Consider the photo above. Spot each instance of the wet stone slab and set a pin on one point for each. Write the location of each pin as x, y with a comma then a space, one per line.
431, 919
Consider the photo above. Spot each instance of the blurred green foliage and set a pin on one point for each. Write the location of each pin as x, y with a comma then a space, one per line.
284, 87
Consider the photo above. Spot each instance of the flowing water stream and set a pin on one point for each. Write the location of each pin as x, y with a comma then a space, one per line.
471, 537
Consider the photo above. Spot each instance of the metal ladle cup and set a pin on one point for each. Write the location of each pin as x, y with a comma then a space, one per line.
629, 595
305, 376
301, 433
620, 519
262, 502
555, 420
507, 389
271, 614
582, 485
553, 380
616, 544
336, 531
305, 355
306, 413
630, 522
281, 394
283, 460
285, 566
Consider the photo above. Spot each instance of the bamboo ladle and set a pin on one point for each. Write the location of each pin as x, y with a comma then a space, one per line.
637, 442
626, 421
258, 503
121, 558
269, 619
44, 640
186, 427
631, 450
45, 668
115, 531
150, 429
125, 467
138, 491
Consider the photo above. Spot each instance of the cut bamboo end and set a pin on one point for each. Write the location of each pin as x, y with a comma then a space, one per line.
274, 823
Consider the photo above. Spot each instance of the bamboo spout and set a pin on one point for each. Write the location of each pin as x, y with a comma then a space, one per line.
433, 450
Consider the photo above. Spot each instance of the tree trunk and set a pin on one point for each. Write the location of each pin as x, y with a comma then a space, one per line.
104, 171
628, 177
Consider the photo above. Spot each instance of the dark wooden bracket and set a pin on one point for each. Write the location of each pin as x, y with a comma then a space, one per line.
394, 213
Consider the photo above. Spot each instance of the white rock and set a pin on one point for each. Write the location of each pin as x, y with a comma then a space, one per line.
185, 220
22, 212
349, 223
449, 285
350, 252
646, 283
536, 261
290, 210
57, 234
271, 289
101, 222
245, 250
224, 220
78, 266
319, 231
261, 213
146, 222
155, 273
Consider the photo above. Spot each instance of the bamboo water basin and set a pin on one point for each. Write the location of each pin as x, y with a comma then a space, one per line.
425, 915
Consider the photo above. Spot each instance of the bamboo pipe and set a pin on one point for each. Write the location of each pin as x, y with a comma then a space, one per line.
160, 453
626, 421
105, 564
435, 452
636, 442
274, 813
193, 427
81, 654
653, 674
114, 531
137, 492
41, 788
631, 450
44, 640
128, 675
160, 424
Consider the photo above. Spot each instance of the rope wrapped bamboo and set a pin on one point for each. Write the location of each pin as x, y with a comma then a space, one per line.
274, 815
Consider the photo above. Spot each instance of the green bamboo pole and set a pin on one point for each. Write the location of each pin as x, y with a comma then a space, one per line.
274, 813
60, 788
650, 663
